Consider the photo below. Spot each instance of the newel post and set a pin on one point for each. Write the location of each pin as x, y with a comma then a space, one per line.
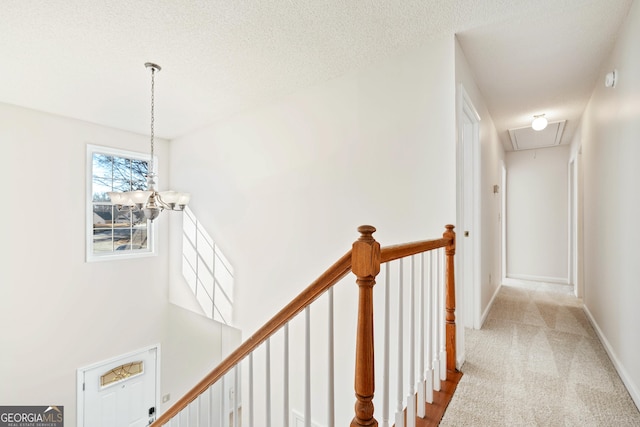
365, 264
450, 299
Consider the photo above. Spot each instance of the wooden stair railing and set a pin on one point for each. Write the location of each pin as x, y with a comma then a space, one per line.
364, 260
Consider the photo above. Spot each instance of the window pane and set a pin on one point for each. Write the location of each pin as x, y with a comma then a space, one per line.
139, 239
102, 166
122, 234
121, 169
122, 218
102, 215
139, 170
102, 240
121, 186
138, 218
99, 193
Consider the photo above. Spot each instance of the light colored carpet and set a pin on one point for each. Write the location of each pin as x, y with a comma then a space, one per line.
538, 362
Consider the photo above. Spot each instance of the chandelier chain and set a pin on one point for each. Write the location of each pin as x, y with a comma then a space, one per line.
153, 73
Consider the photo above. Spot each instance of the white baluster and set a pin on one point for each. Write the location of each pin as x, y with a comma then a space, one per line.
411, 396
443, 348
196, 404
436, 325
236, 388
385, 367
268, 383
251, 389
286, 375
399, 407
307, 367
428, 375
211, 408
331, 408
421, 373
223, 400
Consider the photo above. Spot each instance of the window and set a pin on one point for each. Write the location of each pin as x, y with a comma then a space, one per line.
113, 233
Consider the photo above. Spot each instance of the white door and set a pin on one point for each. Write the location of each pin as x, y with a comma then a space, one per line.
468, 230
121, 392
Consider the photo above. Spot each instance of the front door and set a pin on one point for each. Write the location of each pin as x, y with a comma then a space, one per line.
121, 392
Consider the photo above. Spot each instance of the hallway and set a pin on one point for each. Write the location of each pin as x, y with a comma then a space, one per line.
538, 362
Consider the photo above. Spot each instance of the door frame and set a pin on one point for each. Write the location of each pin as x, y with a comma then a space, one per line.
80, 379
470, 285
575, 223
503, 222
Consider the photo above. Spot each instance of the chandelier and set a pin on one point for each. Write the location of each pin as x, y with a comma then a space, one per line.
150, 202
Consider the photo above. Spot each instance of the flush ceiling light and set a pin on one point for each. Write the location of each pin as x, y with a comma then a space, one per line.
150, 202
539, 122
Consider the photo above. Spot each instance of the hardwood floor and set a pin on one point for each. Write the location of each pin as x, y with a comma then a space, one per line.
441, 399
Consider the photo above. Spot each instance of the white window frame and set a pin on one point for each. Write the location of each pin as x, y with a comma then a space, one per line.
151, 249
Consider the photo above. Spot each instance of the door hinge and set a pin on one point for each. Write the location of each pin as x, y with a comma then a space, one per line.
83, 386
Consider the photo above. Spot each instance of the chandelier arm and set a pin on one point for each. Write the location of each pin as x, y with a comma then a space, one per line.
163, 204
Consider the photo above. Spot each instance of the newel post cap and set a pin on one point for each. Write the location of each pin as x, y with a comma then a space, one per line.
365, 261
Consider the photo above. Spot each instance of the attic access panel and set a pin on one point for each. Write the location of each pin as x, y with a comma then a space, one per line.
527, 139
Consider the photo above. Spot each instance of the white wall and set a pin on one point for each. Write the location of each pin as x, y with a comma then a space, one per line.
491, 154
610, 152
57, 312
537, 214
282, 188
193, 346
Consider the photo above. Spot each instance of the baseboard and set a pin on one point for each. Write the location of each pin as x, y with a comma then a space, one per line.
485, 313
561, 280
633, 390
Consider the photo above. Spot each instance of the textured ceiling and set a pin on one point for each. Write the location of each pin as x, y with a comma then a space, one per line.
84, 59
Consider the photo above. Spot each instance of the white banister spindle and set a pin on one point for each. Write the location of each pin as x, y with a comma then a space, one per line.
236, 396
411, 396
420, 384
436, 325
196, 406
223, 402
250, 389
443, 348
286, 376
211, 407
385, 366
399, 407
307, 367
428, 386
331, 406
267, 381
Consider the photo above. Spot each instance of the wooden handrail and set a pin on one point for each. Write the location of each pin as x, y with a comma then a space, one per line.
329, 278
391, 253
